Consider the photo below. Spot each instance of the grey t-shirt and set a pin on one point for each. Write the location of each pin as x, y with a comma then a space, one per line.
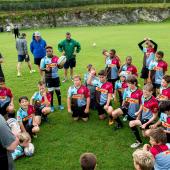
21, 46
6, 138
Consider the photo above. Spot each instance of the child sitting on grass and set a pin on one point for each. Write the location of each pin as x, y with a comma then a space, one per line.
41, 101
147, 113
130, 105
25, 117
78, 100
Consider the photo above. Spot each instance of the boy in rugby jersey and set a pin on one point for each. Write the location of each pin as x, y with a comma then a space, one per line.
164, 119
25, 117
146, 114
41, 101
78, 100
149, 54
104, 90
157, 69
128, 67
159, 148
112, 67
6, 99
120, 86
91, 87
50, 67
131, 102
164, 89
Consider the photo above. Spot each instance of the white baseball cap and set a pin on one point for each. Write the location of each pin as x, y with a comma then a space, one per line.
37, 34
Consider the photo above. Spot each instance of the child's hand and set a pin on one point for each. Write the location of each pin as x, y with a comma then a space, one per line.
144, 126
153, 126
86, 110
146, 147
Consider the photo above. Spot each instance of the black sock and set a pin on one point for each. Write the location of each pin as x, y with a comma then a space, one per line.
119, 123
51, 92
136, 133
58, 93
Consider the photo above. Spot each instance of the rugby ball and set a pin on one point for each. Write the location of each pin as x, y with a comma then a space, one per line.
29, 150
61, 61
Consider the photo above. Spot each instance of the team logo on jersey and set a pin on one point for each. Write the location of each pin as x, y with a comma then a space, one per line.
77, 96
103, 91
131, 100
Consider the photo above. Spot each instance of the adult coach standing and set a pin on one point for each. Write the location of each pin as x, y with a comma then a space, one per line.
8, 142
38, 49
69, 47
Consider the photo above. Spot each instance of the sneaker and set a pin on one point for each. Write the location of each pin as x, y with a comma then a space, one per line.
135, 145
61, 107
125, 118
32, 71
19, 75
64, 80
52, 109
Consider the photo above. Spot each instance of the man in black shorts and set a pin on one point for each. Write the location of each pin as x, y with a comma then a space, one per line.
21, 46
69, 47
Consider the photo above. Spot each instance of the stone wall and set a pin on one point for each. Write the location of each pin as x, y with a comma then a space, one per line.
89, 16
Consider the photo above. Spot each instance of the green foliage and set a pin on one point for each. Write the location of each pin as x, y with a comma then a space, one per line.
62, 141
37, 4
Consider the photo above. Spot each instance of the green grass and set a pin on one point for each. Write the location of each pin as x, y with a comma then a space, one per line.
61, 141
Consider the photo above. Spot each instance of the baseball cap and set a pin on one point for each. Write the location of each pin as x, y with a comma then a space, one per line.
37, 34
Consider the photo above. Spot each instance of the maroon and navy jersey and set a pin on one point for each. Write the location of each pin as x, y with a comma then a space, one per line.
159, 68
150, 107
164, 93
112, 71
132, 100
5, 96
52, 64
78, 95
102, 91
129, 69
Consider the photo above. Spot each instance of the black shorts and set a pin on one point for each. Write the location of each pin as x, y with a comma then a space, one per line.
125, 112
28, 128
168, 137
70, 63
21, 58
38, 111
79, 112
113, 81
100, 108
3, 109
37, 61
52, 82
144, 121
144, 73
156, 86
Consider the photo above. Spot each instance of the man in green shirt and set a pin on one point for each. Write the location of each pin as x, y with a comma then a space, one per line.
69, 48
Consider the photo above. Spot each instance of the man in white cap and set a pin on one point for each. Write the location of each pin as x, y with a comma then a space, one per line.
38, 50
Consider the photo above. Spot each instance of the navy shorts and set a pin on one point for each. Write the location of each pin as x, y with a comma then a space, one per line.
37, 61
70, 63
79, 112
21, 58
144, 73
52, 82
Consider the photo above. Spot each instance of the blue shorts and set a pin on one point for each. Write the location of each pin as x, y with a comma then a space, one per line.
21, 58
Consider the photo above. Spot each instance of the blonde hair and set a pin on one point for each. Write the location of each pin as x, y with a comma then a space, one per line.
144, 159
24, 136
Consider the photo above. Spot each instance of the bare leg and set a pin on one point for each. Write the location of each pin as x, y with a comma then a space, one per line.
65, 74
71, 73
41, 72
19, 68
29, 65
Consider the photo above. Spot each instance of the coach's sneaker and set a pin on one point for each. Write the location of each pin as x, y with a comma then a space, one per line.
19, 75
64, 80
52, 109
32, 71
135, 145
61, 107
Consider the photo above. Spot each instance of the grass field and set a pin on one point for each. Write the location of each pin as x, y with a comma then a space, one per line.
61, 141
